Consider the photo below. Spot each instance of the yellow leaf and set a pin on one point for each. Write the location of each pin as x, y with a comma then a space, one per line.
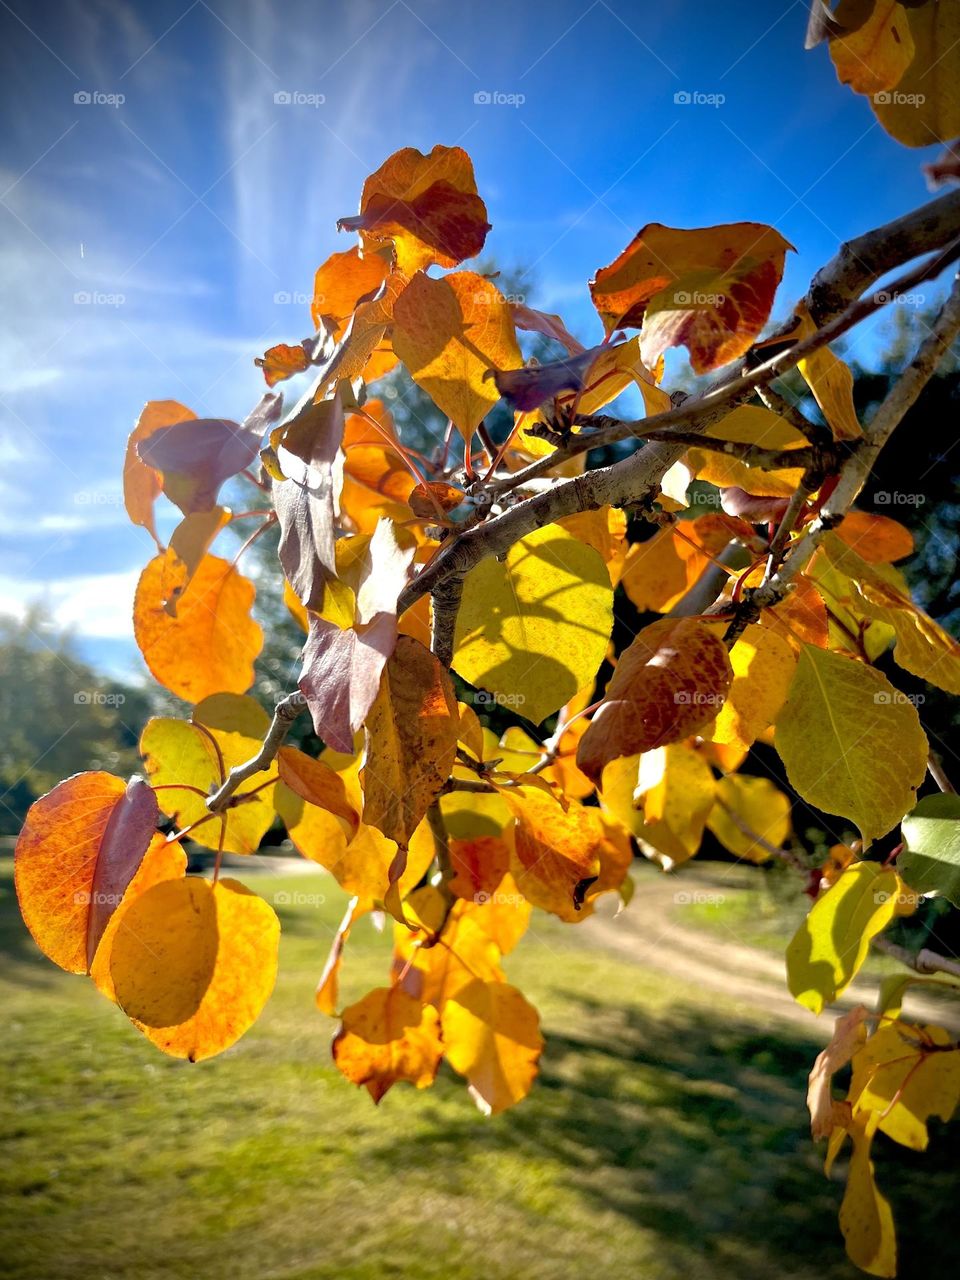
676, 789
832, 943
923, 647
314, 781
744, 805
225, 727
873, 56
852, 745
492, 1036
194, 963
535, 627
210, 645
865, 1216
924, 107
831, 382
450, 333
749, 424
894, 1078
763, 666
411, 734
388, 1036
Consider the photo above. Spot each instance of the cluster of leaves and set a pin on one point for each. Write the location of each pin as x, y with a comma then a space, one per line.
416, 808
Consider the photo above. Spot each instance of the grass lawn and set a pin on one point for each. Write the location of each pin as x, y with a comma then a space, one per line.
665, 1138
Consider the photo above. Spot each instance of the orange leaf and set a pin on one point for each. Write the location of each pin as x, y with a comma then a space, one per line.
282, 362
668, 684
425, 498
328, 988
412, 733
209, 647
450, 333
427, 206
709, 289
479, 864
557, 852
388, 1036
492, 1036
876, 539
659, 572
194, 963
318, 784
341, 284
79, 849
142, 484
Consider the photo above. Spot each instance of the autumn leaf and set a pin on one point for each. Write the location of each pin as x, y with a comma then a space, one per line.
328, 988
676, 789
80, 847
342, 665
388, 1036
142, 485
412, 731
449, 333
433, 967
535, 627
875, 539
710, 289
210, 645
865, 1216
316, 783
284, 361
194, 963
872, 57
197, 455
185, 757
667, 685
189, 543
763, 665
305, 501
831, 944
923, 647
849, 1033
163, 860
830, 380
426, 205
897, 1078
556, 852
749, 424
341, 283
492, 1036
851, 744
750, 815
658, 572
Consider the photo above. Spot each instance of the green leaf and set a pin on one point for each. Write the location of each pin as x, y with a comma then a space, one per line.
931, 857
851, 743
832, 943
535, 628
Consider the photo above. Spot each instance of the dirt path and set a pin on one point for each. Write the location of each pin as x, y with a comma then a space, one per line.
650, 933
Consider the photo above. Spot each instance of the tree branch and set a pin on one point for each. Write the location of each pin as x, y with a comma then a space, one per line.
286, 712
922, 961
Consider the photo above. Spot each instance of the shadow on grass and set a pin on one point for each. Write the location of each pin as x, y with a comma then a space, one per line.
693, 1126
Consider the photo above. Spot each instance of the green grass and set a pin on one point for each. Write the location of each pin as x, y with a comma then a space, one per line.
665, 1138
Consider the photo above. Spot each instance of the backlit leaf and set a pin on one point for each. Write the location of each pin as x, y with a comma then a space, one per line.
194, 963
80, 847
314, 781
831, 944
852, 745
142, 485
386, 1037
492, 1036
709, 289
535, 627
930, 860
341, 283
763, 666
748, 808
449, 333
830, 380
675, 789
557, 852
210, 645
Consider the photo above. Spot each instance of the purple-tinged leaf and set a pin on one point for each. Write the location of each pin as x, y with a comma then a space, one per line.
526, 389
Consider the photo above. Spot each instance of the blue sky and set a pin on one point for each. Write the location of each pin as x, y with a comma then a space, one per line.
193, 213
